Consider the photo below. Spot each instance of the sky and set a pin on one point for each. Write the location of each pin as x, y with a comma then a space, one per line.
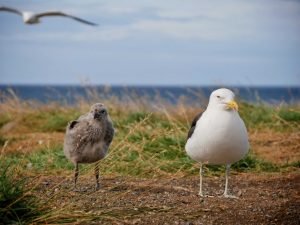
146, 42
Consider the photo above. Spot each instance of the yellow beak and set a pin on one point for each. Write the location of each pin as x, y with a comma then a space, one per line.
232, 105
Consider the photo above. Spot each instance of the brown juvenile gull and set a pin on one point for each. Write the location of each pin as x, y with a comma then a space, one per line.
88, 138
34, 18
219, 135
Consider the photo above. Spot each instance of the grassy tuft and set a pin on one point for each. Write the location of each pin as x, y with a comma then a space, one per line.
295, 164
3, 140
51, 120
265, 116
45, 159
252, 162
289, 115
4, 119
249, 163
135, 117
57, 121
16, 206
256, 115
49, 159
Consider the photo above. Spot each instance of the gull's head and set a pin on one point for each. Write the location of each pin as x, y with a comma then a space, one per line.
98, 111
222, 99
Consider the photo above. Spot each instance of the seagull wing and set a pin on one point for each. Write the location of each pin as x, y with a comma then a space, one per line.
7, 9
72, 124
109, 134
81, 133
193, 126
65, 15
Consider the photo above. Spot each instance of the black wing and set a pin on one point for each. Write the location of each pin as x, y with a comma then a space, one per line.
7, 9
109, 135
72, 124
193, 126
66, 15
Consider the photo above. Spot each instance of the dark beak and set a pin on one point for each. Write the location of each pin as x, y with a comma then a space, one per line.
99, 114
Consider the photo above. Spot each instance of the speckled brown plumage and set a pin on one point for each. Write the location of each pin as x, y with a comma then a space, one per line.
88, 138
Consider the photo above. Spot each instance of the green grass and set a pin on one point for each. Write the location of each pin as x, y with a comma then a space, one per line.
289, 115
295, 164
138, 151
57, 121
252, 163
16, 206
150, 162
259, 116
52, 120
147, 143
44, 159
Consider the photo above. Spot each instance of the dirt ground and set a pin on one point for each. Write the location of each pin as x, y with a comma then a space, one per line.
272, 198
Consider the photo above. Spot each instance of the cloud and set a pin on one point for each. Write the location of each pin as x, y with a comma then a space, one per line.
107, 34
185, 20
193, 30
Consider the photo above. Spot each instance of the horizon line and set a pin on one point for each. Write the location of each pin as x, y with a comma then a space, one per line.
152, 85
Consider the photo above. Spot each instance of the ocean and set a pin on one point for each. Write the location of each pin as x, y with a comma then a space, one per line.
69, 94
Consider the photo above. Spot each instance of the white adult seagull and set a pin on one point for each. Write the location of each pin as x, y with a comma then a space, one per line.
34, 18
219, 135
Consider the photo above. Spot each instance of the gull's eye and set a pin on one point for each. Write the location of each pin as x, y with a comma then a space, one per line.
218, 96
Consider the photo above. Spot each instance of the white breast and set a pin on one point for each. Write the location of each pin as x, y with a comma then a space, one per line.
220, 137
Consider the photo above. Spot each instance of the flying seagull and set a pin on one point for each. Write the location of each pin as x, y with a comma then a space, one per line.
34, 18
218, 136
88, 138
